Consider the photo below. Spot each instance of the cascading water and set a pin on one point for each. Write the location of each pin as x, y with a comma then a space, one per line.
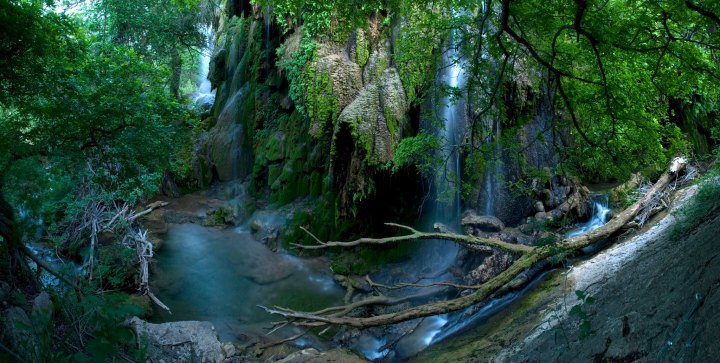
204, 97
599, 216
435, 258
448, 181
494, 167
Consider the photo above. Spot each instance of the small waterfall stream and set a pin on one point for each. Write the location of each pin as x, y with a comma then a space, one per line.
599, 216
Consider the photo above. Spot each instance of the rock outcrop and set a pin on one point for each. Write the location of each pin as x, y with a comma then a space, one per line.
182, 341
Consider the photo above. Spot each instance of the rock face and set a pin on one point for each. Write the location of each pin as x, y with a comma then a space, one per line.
377, 116
182, 341
471, 220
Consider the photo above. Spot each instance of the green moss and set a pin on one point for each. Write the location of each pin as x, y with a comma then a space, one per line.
303, 186
362, 48
274, 171
316, 184
322, 104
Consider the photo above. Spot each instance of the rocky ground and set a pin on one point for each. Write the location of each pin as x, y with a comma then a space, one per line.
653, 299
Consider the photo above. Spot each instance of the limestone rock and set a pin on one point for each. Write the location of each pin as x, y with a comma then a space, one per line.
181, 341
483, 223
377, 116
334, 82
377, 64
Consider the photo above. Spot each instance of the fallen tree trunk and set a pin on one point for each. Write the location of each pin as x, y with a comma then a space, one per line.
528, 258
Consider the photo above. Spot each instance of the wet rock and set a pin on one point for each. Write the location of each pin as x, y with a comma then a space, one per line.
441, 228
312, 355
345, 82
42, 309
490, 267
483, 223
539, 207
182, 341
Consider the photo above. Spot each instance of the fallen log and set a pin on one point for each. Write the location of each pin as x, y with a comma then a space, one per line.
529, 258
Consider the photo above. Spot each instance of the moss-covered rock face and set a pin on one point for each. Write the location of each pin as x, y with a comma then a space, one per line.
333, 82
376, 117
310, 122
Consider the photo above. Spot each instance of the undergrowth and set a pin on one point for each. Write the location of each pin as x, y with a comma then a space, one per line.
703, 206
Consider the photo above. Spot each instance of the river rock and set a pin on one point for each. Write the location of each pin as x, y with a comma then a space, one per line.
181, 341
483, 223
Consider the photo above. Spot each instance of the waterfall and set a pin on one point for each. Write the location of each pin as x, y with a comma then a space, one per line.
204, 97
599, 216
453, 116
494, 167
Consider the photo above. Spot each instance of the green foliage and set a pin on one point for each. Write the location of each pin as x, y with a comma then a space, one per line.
578, 310
418, 151
323, 17
294, 69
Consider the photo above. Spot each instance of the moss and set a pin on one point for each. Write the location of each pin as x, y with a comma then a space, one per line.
288, 193
316, 184
362, 48
322, 104
274, 171
303, 186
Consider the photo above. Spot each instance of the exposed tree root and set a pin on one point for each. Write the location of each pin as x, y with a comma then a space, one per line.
527, 261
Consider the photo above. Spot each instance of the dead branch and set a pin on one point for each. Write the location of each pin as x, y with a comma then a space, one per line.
417, 235
414, 284
528, 260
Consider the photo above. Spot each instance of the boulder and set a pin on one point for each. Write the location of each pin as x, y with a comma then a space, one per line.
483, 223
181, 341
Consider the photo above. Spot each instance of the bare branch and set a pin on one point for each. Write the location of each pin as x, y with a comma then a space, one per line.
415, 235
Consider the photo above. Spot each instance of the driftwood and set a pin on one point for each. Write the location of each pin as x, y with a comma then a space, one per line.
528, 258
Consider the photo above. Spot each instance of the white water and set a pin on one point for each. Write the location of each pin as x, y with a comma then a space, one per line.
204, 96
599, 217
493, 168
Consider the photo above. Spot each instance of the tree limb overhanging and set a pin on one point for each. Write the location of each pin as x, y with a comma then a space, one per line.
529, 258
